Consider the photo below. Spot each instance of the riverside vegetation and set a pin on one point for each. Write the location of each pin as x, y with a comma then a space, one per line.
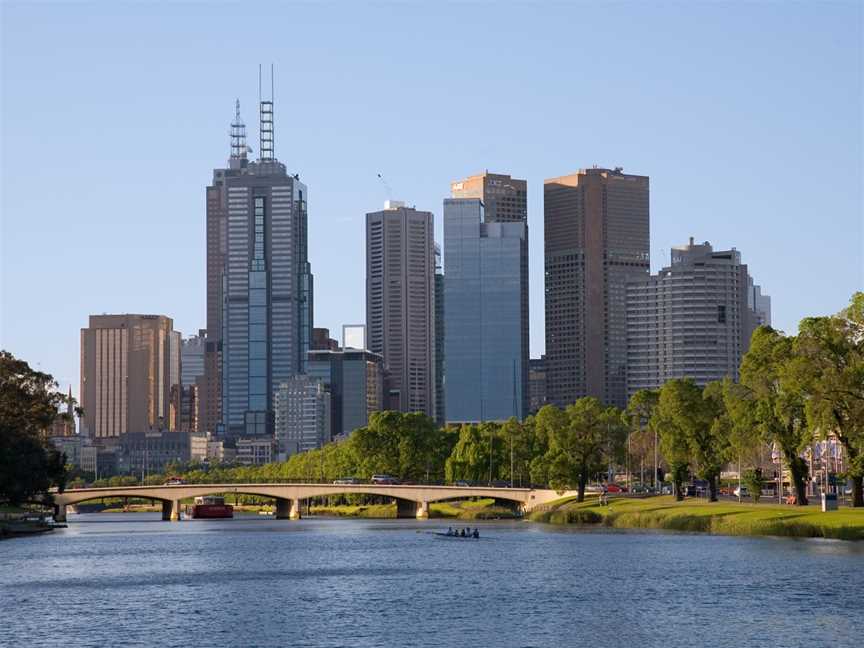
725, 518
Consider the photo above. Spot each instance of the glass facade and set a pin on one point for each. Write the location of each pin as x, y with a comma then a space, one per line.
483, 337
267, 294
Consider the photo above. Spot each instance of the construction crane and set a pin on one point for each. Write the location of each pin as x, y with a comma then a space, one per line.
386, 187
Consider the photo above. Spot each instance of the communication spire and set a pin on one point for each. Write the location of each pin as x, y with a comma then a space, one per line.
238, 135
266, 149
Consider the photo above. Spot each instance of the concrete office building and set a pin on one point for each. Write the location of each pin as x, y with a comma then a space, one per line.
596, 241
400, 303
302, 408
355, 380
186, 408
505, 199
536, 384
253, 451
321, 340
485, 345
758, 303
148, 453
192, 358
259, 284
692, 319
440, 406
128, 365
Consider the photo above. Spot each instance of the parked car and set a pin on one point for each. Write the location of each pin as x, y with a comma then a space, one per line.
741, 491
615, 488
347, 480
384, 479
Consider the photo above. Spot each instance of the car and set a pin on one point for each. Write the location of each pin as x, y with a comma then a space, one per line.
347, 480
740, 491
498, 483
461, 483
615, 488
384, 479
174, 481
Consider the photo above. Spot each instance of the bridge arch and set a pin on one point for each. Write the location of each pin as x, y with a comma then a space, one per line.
412, 500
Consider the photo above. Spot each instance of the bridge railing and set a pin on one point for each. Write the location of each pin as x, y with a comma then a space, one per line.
348, 481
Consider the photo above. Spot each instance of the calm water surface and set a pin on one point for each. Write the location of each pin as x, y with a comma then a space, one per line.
111, 580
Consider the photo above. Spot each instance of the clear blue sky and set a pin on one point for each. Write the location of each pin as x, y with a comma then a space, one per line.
746, 116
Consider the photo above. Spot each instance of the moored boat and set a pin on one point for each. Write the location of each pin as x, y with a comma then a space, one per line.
210, 507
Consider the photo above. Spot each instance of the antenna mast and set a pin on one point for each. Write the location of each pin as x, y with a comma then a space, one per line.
265, 145
238, 135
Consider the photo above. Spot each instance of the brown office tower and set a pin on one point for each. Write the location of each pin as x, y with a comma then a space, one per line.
400, 304
596, 240
128, 365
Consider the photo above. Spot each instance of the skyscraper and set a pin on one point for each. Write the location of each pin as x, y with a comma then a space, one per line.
259, 283
128, 365
485, 346
691, 320
400, 303
505, 200
596, 240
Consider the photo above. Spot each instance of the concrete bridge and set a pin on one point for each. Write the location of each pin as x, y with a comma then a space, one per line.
411, 501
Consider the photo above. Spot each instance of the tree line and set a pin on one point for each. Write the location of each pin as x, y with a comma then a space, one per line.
792, 391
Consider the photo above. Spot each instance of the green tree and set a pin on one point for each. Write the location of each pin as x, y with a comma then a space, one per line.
582, 440
828, 366
674, 443
772, 403
754, 482
642, 440
29, 401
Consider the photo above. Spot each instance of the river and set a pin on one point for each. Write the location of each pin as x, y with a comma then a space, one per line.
115, 579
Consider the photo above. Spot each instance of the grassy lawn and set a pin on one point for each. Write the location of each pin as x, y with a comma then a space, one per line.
484, 509
362, 510
720, 517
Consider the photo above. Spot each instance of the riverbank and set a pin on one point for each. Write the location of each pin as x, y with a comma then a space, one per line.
721, 518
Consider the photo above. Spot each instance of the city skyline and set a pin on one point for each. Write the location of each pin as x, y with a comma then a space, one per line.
90, 246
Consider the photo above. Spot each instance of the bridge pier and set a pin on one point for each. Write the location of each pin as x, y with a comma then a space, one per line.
409, 509
287, 509
59, 512
171, 510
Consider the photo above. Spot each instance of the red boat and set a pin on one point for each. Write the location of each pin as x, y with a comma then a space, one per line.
210, 506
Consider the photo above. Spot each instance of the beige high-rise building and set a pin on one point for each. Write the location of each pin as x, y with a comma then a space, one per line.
400, 304
128, 365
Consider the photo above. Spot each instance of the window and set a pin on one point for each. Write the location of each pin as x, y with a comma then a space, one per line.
721, 313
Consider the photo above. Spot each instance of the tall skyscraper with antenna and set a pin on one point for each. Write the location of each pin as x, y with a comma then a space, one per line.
259, 283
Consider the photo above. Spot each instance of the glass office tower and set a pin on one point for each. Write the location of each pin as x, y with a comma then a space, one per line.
484, 345
259, 282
